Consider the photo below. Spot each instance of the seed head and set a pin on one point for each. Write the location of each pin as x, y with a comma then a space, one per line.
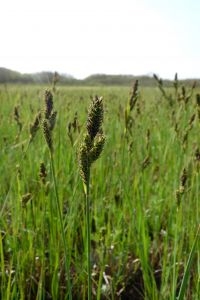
95, 117
84, 163
184, 177
52, 120
43, 173
93, 141
134, 95
48, 104
25, 199
35, 126
47, 134
49, 119
97, 149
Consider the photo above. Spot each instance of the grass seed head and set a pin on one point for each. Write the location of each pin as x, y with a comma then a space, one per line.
183, 178
47, 134
134, 95
84, 163
52, 120
191, 121
16, 113
49, 119
93, 141
35, 126
97, 149
25, 199
43, 173
146, 162
17, 117
48, 104
95, 117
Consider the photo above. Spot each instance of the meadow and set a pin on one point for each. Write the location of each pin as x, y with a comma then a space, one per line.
144, 194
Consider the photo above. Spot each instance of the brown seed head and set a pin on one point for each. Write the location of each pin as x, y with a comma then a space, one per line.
16, 113
184, 177
52, 120
48, 104
25, 199
35, 126
47, 134
95, 117
43, 173
134, 95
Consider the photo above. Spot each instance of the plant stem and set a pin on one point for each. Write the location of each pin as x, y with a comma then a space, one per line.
62, 227
88, 239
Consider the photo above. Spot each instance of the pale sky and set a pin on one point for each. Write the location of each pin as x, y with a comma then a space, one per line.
84, 37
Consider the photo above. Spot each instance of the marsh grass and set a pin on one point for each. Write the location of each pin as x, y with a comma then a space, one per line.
141, 238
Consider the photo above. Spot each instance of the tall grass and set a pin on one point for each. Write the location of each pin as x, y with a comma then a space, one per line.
144, 214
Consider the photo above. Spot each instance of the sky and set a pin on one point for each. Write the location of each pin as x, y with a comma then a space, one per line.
84, 37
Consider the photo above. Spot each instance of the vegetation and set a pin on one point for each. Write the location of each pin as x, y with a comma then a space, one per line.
9, 76
137, 234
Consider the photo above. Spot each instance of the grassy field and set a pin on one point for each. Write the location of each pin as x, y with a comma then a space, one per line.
144, 195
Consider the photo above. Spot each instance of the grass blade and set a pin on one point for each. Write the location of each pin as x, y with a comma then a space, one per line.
188, 267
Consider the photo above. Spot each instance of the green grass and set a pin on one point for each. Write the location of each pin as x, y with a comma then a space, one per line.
143, 228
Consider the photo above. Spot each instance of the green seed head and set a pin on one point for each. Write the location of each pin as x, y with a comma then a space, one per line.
93, 141
97, 148
25, 199
84, 163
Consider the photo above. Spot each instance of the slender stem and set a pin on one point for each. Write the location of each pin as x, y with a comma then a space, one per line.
88, 240
62, 226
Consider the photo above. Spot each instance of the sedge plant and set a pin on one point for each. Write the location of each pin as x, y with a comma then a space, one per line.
90, 150
48, 124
